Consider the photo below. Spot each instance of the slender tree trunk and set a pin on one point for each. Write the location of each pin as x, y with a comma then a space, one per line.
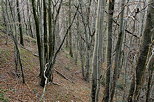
140, 69
45, 31
20, 25
29, 20
118, 55
131, 91
150, 66
38, 37
106, 97
70, 32
149, 86
141, 64
51, 37
12, 32
88, 42
97, 55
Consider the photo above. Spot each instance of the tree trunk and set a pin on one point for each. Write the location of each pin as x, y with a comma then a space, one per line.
118, 55
141, 64
97, 55
45, 31
106, 97
38, 37
70, 32
131, 91
20, 25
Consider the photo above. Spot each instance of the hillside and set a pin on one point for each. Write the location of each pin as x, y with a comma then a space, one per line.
13, 90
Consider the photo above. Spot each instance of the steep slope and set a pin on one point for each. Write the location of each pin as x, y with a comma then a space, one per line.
12, 90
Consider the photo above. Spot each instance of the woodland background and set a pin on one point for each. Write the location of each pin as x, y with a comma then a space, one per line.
77, 50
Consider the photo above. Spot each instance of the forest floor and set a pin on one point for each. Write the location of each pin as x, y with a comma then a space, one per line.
13, 90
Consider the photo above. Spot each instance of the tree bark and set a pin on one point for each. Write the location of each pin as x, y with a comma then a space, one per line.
70, 32
38, 37
118, 50
45, 32
20, 23
106, 97
97, 55
141, 64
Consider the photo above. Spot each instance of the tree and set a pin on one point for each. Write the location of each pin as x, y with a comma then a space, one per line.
38, 37
11, 29
20, 23
46, 54
85, 16
141, 64
97, 54
118, 51
109, 51
70, 33
150, 67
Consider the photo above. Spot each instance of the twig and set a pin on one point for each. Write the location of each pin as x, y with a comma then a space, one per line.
56, 83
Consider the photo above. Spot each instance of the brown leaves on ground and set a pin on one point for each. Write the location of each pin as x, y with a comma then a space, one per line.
15, 91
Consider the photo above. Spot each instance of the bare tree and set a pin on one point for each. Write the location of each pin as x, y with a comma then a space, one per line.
97, 54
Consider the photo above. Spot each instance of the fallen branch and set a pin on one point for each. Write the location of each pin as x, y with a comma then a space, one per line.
56, 84
63, 76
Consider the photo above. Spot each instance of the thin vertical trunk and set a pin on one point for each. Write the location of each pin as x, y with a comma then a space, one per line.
18, 60
51, 49
88, 42
20, 25
38, 36
149, 86
106, 97
150, 66
118, 55
51, 34
29, 20
45, 30
70, 32
141, 64
131, 91
140, 69
81, 48
97, 55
